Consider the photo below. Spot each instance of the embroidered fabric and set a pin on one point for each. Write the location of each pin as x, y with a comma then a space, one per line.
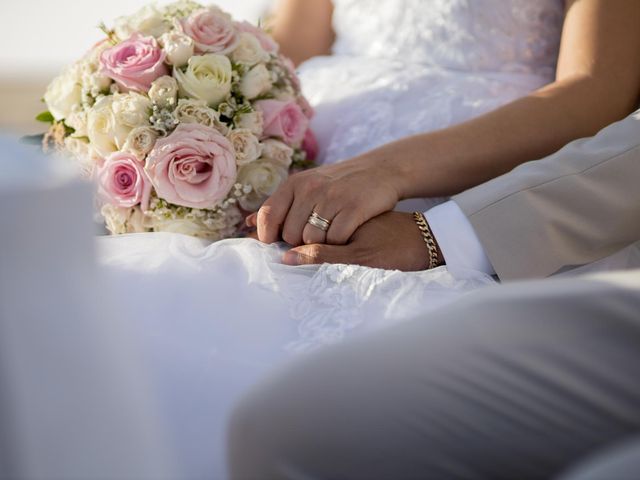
402, 67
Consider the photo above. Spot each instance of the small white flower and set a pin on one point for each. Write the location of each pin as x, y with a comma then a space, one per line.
255, 82
64, 92
120, 220
140, 141
278, 152
146, 21
178, 46
164, 91
264, 177
112, 118
246, 145
249, 51
197, 111
252, 121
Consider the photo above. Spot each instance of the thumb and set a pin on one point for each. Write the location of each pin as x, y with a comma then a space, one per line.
316, 254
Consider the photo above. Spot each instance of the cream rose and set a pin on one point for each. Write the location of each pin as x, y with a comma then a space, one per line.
252, 121
249, 51
197, 111
245, 144
112, 118
255, 82
101, 127
119, 220
131, 110
146, 21
164, 91
278, 152
178, 47
77, 120
81, 152
264, 177
207, 77
64, 92
140, 141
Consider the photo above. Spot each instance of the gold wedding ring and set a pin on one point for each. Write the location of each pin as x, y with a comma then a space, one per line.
319, 222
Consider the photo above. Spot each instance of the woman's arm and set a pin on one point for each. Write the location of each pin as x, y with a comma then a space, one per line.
598, 82
303, 28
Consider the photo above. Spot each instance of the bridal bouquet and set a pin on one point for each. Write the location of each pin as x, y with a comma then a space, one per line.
186, 119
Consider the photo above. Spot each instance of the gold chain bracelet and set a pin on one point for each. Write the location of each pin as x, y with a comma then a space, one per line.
428, 238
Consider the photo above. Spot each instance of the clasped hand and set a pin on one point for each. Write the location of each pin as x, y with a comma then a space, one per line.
356, 197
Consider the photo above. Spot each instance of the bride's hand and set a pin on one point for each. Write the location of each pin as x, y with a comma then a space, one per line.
346, 194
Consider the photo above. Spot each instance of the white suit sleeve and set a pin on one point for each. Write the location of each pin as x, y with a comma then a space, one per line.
457, 239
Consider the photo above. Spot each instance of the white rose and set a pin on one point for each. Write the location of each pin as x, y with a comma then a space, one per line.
164, 91
120, 220
264, 177
246, 145
197, 111
207, 77
101, 126
131, 110
146, 21
64, 92
112, 118
255, 82
252, 121
178, 46
249, 51
80, 151
77, 120
140, 141
278, 152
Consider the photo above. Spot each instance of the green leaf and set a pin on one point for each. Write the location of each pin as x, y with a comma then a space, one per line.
68, 130
46, 117
32, 139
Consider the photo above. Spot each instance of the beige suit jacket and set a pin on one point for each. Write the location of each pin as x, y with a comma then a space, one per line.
571, 208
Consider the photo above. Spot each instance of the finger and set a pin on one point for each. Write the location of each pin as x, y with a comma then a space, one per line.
312, 234
343, 226
316, 254
273, 212
296, 220
253, 235
251, 220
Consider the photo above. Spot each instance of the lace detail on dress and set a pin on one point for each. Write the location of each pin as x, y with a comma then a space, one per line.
402, 67
466, 35
338, 299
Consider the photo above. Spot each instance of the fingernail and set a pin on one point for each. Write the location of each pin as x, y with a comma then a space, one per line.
290, 258
251, 220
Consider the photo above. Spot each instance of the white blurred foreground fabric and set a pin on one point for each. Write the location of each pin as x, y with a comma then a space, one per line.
74, 400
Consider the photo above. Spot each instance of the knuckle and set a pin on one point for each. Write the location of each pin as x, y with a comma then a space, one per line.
290, 237
338, 237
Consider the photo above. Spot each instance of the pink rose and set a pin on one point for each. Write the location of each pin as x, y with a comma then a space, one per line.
134, 63
211, 30
310, 145
266, 42
306, 107
195, 166
284, 120
122, 181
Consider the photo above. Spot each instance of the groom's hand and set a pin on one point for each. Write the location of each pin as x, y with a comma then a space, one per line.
391, 241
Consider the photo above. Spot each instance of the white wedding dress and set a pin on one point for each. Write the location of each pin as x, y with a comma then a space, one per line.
211, 320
